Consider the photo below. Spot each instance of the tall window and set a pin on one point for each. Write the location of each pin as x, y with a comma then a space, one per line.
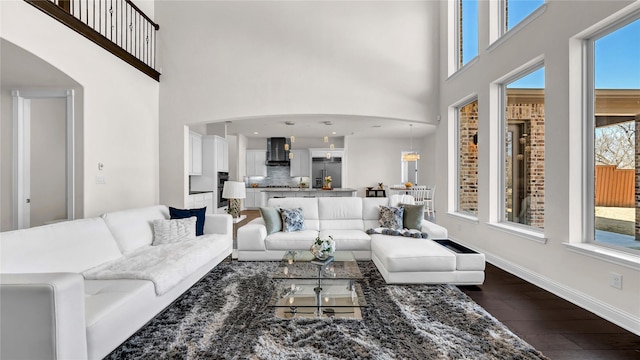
616, 123
514, 11
467, 116
524, 150
467, 31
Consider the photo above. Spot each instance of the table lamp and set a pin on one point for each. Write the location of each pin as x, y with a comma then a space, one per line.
234, 191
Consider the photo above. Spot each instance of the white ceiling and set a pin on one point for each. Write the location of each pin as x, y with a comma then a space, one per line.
321, 125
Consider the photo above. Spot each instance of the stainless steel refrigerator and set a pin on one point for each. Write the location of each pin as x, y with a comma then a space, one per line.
322, 167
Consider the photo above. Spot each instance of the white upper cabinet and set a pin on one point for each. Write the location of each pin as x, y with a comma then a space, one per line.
222, 154
300, 165
256, 163
195, 153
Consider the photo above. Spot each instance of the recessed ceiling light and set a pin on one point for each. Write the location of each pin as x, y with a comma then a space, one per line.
289, 123
255, 133
329, 122
333, 133
376, 126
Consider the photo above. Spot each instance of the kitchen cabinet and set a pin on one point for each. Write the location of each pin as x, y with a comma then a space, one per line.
256, 163
221, 153
254, 198
214, 160
300, 165
195, 153
197, 201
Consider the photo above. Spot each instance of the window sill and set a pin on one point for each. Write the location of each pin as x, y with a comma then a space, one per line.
462, 69
602, 253
464, 217
525, 233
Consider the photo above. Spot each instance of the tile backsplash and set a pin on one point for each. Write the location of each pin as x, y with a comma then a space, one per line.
277, 176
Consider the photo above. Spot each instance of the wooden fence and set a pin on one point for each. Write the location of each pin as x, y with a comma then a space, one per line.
615, 187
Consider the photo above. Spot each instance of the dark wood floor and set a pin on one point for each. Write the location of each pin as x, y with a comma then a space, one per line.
556, 327
552, 325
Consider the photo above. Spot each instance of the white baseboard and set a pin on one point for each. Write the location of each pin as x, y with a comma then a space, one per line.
621, 318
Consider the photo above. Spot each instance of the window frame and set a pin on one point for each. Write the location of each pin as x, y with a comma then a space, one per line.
455, 48
588, 138
498, 32
456, 111
498, 111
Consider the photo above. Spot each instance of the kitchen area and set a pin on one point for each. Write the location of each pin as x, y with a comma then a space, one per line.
277, 170
282, 171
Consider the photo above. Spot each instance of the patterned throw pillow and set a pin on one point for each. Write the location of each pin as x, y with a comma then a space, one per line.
391, 217
172, 231
292, 219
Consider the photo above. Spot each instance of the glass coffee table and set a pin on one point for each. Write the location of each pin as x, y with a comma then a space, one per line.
307, 288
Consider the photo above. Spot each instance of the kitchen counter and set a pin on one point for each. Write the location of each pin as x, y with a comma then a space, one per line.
199, 192
302, 190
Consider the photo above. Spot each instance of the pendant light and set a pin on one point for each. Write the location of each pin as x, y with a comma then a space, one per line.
411, 155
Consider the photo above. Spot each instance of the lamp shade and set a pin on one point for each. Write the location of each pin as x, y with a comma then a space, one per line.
410, 156
234, 190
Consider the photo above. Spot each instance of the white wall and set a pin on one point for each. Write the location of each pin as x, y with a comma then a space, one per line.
224, 60
577, 277
120, 109
372, 160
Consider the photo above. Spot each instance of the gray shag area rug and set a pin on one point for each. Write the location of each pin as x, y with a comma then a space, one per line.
225, 316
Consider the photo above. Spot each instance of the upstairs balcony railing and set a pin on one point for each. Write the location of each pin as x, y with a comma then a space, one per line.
118, 26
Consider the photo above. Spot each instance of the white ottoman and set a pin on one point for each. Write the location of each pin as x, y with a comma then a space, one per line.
404, 260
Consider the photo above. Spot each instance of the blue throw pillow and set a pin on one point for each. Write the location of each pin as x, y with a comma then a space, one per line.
187, 213
292, 219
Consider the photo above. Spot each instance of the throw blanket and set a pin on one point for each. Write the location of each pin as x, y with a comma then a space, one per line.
399, 232
164, 265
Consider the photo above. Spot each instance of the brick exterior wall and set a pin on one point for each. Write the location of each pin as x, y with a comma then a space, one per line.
468, 159
533, 116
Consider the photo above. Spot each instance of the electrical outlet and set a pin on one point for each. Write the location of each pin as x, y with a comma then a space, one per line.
615, 280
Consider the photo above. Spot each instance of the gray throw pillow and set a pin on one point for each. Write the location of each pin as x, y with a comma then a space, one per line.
391, 217
272, 220
413, 215
292, 219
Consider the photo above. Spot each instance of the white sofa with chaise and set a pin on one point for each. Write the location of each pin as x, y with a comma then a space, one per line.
50, 311
346, 219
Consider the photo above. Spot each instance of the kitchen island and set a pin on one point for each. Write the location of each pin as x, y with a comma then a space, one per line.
307, 192
259, 196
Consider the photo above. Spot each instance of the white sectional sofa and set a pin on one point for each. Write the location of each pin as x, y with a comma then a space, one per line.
347, 219
52, 310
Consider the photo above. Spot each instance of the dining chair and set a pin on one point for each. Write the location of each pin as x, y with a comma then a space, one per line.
428, 201
397, 199
419, 193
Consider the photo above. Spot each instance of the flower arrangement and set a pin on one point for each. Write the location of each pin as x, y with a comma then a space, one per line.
327, 182
323, 248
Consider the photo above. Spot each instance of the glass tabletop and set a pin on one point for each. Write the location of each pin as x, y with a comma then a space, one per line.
299, 265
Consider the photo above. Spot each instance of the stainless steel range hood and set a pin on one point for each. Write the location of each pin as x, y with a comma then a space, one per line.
276, 155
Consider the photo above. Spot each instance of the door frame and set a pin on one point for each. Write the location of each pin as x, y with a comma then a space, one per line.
21, 151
